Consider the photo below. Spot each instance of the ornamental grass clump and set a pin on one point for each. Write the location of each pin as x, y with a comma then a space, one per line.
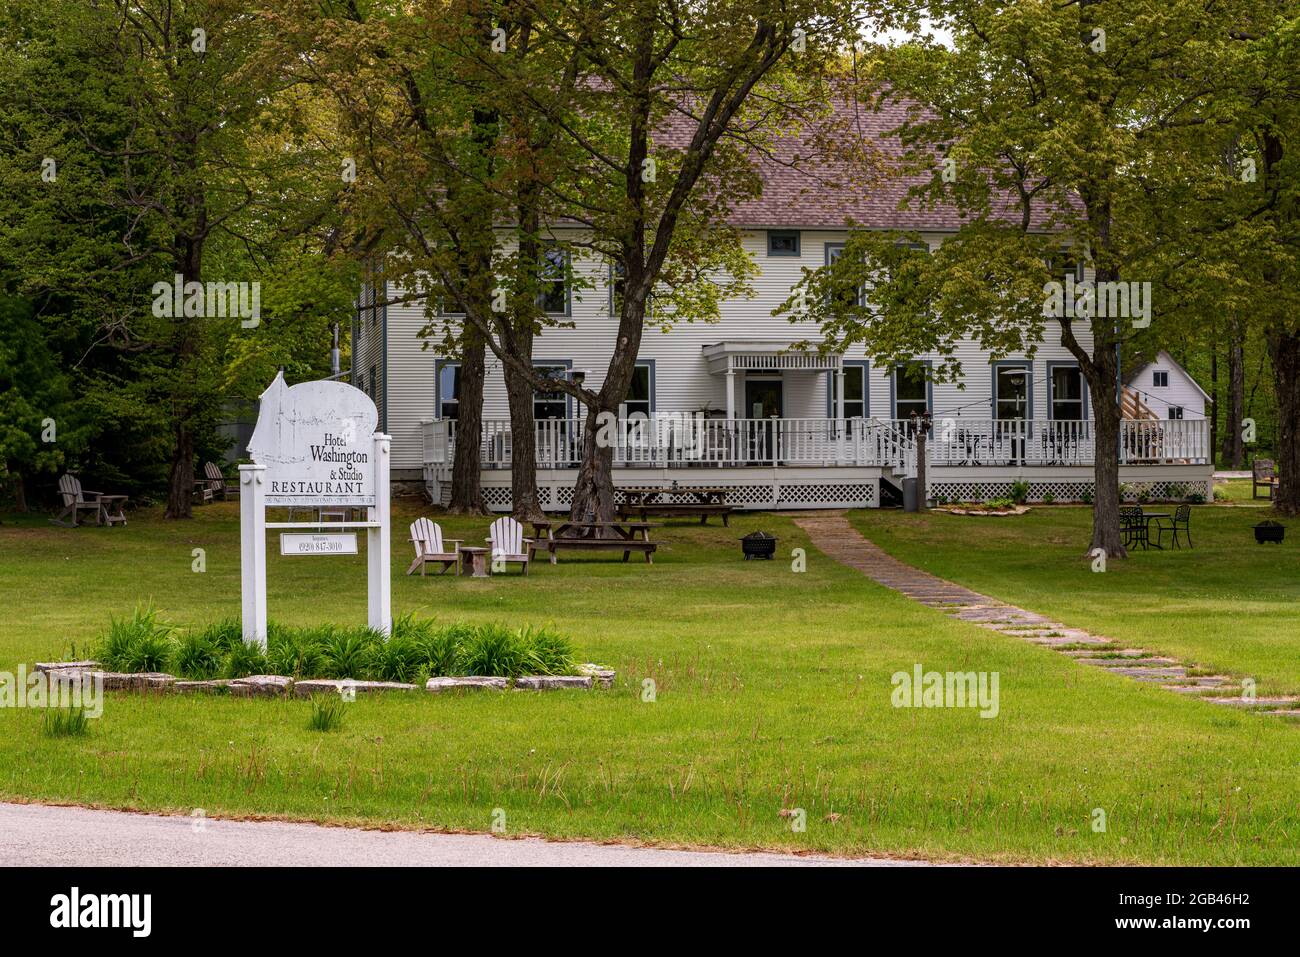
141, 642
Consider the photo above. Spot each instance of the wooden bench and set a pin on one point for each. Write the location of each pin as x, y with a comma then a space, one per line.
670, 509
644, 501
628, 537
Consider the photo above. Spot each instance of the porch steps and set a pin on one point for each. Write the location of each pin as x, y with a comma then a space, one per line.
832, 534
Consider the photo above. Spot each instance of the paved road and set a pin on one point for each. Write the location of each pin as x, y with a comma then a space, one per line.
34, 835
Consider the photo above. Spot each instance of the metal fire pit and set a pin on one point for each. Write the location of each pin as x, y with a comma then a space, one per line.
758, 545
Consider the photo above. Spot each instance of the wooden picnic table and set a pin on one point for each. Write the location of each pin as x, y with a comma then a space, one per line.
553, 534
654, 500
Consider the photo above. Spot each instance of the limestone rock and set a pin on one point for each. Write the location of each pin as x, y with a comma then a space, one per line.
261, 686
471, 681
552, 682
305, 689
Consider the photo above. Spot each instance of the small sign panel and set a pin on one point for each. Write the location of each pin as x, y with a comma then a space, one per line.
312, 543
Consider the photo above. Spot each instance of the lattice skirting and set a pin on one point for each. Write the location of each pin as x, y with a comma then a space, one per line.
1162, 491
801, 494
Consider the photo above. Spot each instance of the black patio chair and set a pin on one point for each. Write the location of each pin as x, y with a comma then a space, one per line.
1133, 526
1181, 522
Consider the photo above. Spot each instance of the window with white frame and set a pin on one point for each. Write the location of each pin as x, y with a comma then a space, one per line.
911, 390
1160, 379
855, 391
640, 392
553, 281
1175, 412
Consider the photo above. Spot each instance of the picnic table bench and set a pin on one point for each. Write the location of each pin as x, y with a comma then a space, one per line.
666, 502
550, 535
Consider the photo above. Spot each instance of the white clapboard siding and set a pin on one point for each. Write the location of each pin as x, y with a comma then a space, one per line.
682, 382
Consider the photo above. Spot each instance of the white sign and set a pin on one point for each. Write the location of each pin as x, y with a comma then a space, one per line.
315, 440
333, 543
315, 445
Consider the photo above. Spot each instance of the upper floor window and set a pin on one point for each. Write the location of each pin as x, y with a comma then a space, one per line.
1160, 379
553, 281
783, 242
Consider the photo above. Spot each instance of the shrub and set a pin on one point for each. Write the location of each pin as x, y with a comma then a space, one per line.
139, 643
549, 652
399, 657
495, 650
1019, 492
1086, 496
60, 723
227, 633
442, 651
1048, 498
1220, 494
296, 652
198, 657
1196, 498
245, 659
1000, 503
348, 652
326, 713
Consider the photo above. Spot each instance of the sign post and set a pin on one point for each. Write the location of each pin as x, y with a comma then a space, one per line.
378, 545
252, 551
315, 446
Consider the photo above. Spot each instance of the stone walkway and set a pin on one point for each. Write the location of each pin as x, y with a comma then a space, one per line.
832, 533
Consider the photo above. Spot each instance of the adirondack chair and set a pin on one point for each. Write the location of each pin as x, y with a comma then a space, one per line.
214, 483
430, 547
506, 537
1263, 475
77, 500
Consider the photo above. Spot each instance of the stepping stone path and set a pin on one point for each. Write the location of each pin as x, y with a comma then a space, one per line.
832, 533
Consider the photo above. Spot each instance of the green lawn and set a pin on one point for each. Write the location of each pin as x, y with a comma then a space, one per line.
773, 691
1228, 604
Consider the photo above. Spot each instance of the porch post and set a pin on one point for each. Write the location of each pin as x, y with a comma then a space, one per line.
839, 413
731, 390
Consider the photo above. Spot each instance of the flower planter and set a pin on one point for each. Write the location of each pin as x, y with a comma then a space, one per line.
758, 545
1269, 533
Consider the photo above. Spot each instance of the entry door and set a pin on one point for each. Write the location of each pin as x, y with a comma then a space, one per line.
1012, 384
763, 400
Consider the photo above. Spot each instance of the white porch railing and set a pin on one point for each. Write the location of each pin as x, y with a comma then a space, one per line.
669, 441
963, 441
682, 441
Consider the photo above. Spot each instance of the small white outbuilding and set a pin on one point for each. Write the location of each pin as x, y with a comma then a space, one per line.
1168, 390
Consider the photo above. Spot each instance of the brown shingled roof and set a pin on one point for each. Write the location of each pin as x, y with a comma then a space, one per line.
806, 186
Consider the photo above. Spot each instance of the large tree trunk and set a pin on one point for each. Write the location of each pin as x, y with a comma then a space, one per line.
20, 492
1105, 472
466, 468
524, 503
1284, 351
180, 483
1233, 451
593, 496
